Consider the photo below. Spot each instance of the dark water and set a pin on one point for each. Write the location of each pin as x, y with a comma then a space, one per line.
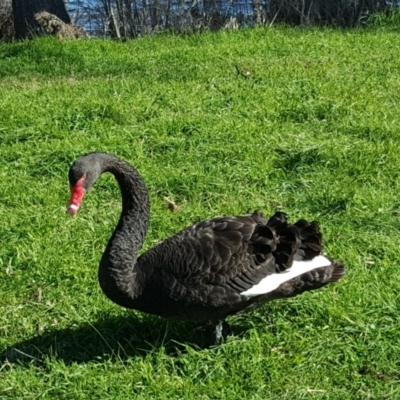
170, 13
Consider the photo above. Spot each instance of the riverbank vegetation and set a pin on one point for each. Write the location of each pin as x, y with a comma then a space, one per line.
130, 19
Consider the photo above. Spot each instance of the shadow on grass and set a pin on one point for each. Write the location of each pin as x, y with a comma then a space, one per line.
117, 338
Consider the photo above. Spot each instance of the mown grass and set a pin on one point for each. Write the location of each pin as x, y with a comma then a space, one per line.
314, 131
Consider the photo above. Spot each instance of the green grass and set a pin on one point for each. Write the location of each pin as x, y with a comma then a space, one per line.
313, 131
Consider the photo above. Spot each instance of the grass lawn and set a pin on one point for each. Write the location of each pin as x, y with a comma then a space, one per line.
313, 130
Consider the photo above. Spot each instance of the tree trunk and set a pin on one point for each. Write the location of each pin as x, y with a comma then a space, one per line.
24, 11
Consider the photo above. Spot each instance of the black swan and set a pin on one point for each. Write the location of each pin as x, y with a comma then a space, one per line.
207, 271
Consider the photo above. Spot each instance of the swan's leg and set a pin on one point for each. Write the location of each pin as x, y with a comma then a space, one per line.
218, 331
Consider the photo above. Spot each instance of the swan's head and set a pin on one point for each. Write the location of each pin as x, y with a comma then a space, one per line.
82, 174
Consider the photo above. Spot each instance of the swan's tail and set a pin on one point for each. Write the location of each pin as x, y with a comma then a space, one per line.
338, 272
311, 280
297, 260
310, 268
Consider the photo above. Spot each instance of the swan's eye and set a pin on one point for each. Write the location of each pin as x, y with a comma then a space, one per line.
77, 193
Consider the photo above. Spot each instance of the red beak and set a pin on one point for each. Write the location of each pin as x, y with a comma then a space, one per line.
77, 193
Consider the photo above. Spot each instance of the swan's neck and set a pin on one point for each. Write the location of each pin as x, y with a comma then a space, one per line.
119, 276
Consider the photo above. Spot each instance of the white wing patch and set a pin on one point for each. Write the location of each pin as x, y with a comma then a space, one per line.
272, 282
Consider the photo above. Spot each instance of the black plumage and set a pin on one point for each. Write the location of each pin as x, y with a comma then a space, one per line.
202, 272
